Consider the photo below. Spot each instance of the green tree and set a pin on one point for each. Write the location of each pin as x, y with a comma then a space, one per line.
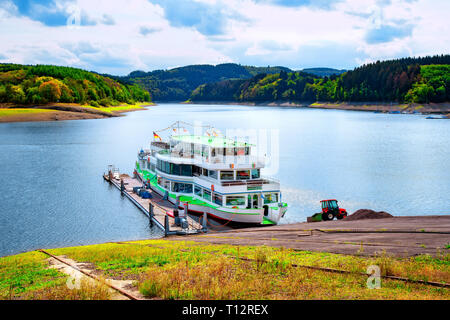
50, 91
16, 94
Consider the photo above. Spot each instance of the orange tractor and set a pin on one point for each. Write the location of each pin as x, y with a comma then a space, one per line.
330, 209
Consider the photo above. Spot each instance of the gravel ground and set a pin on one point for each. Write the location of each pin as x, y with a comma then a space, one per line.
397, 236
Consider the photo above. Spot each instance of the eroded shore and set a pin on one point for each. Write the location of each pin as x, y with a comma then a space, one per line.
63, 111
431, 109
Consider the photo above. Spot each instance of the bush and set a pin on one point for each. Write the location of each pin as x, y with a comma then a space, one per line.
105, 102
94, 104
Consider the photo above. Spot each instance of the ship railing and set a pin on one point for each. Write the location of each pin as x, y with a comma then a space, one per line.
238, 160
272, 179
255, 182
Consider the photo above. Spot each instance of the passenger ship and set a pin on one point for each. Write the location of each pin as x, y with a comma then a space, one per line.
213, 174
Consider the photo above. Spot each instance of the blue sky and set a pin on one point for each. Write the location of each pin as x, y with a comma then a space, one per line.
118, 37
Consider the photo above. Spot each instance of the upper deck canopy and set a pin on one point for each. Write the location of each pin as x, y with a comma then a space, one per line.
214, 142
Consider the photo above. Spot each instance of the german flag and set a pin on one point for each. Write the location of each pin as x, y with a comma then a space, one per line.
156, 136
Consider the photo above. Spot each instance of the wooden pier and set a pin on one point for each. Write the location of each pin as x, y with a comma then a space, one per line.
160, 212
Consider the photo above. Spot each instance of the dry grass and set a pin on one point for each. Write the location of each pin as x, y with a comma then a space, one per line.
223, 278
88, 290
194, 270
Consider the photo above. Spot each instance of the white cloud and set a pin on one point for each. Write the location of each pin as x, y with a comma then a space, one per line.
254, 33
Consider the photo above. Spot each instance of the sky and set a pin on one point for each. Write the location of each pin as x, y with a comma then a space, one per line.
117, 37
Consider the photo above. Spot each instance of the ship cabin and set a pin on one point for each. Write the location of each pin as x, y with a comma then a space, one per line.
216, 170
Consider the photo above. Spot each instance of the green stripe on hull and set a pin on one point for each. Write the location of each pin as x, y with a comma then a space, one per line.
267, 221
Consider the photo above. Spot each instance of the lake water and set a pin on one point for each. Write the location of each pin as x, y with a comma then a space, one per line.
52, 193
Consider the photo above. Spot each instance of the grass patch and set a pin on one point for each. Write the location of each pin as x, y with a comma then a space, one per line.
171, 269
19, 111
89, 290
120, 108
25, 273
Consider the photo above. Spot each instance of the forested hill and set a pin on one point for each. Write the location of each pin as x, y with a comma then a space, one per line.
177, 84
415, 80
324, 72
41, 84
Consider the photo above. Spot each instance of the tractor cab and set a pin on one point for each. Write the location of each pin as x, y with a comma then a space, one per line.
330, 209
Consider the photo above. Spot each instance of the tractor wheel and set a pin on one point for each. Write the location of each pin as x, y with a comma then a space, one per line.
340, 217
327, 216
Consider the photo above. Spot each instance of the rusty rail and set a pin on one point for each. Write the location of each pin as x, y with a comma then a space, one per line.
122, 292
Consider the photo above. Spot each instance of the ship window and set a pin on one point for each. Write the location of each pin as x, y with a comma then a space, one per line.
182, 187
204, 151
220, 151
243, 175
205, 172
213, 152
207, 195
197, 149
235, 201
159, 164
230, 151
186, 170
152, 167
175, 169
217, 199
256, 174
212, 174
270, 198
198, 191
226, 175
196, 171
166, 167
240, 151
247, 151
164, 183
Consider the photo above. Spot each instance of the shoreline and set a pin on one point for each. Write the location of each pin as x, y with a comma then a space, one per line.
424, 109
64, 111
378, 235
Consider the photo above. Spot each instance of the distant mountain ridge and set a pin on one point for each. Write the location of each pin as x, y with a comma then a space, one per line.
177, 84
407, 80
324, 72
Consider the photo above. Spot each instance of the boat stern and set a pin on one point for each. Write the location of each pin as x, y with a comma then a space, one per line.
275, 212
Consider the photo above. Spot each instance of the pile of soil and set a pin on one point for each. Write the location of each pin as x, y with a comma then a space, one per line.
362, 214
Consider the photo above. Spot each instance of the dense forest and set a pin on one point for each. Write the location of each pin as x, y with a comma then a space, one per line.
411, 80
408, 80
177, 84
41, 84
324, 72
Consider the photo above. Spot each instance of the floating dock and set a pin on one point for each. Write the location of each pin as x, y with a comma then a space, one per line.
160, 212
